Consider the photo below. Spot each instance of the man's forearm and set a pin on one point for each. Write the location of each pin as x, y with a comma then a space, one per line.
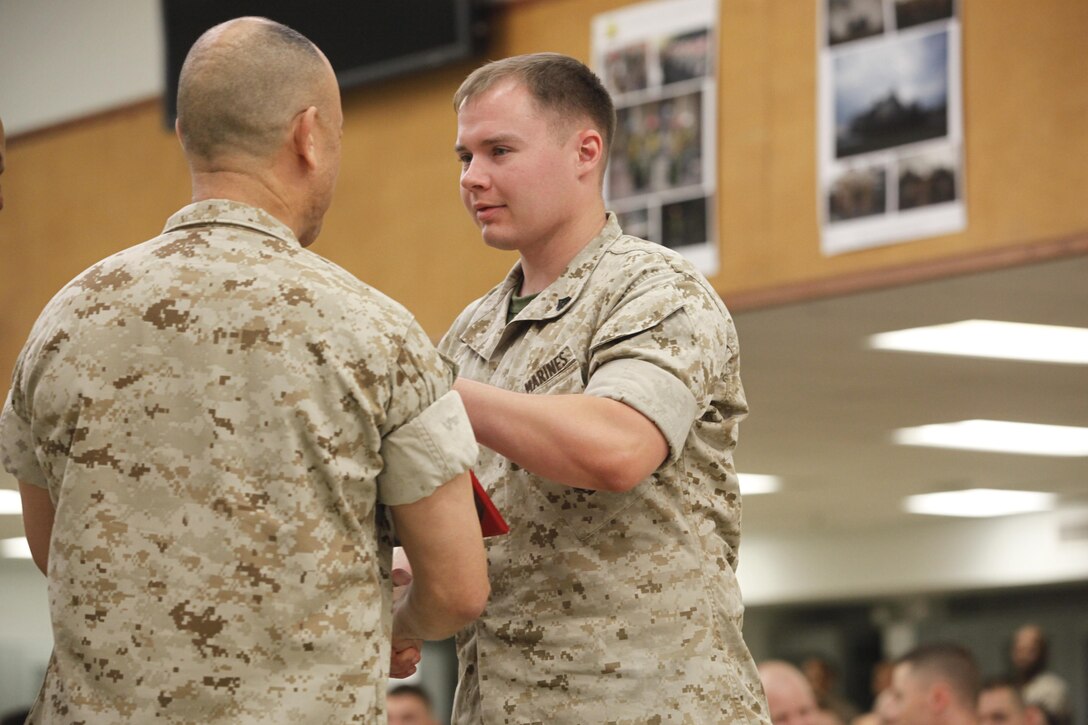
577, 440
38, 515
448, 569
420, 616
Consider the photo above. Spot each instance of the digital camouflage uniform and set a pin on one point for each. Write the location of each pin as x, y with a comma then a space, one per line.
217, 414
613, 607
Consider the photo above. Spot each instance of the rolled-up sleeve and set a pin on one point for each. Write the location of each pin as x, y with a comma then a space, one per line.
16, 437
657, 394
660, 352
428, 438
427, 451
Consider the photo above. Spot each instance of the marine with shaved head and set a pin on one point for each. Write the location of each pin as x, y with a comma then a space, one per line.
933, 684
215, 431
789, 695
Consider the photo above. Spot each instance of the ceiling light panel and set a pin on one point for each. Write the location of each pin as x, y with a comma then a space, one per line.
999, 436
992, 339
10, 502
979, 503
14, 548
753, 484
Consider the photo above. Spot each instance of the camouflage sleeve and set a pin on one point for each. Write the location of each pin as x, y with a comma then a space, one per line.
430, 439
16, 437
660, 352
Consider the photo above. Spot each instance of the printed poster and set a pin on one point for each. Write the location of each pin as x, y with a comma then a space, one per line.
658, 61
891, 122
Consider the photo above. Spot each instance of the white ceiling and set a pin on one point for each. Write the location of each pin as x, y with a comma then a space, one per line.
824, 406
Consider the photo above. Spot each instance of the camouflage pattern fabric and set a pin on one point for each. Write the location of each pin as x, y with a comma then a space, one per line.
613, 607
219, 415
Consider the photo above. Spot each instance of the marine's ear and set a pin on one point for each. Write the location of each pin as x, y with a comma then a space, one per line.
590, 150
303, 129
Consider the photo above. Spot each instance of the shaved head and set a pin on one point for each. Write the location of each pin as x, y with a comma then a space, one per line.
933, 683
241, 85
789, 694
949, 663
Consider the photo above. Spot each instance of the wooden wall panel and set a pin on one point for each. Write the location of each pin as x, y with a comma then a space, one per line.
80, 192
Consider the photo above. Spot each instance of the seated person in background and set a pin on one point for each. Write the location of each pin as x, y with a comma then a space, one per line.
789, 695
1000, 703
823, 677
879, 682
1048, 691
409, 705
934, 684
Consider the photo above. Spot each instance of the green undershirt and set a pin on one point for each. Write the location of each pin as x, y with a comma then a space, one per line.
517, 304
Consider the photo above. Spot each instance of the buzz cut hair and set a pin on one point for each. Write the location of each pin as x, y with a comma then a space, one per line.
410, 690
950, 663
1004, 683
560, 85
241, 86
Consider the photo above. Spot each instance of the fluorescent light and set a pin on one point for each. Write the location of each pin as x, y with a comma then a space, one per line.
999, 436
990, 338
14, 548
753, 484
10, 502
979, 503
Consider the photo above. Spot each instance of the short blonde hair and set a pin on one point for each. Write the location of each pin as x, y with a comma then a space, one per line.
558, 83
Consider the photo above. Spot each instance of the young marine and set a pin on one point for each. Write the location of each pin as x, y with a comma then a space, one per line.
602, 380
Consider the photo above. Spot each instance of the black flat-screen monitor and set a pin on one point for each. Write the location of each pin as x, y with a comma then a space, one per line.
365, 40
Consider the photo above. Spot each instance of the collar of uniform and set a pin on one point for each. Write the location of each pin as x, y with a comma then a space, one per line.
485, 331
234, 213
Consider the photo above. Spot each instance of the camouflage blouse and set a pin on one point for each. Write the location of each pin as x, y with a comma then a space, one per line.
217, 414
613, 607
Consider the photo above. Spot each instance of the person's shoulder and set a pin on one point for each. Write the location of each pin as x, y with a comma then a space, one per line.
627, 244
346, 293
107, 274
638, 264
630, 253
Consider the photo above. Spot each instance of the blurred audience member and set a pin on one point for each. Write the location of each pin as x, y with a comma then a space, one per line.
789, 694
409, 705
823, 677
879, 683
934, 684
1000, 703
1039, 687
881, 677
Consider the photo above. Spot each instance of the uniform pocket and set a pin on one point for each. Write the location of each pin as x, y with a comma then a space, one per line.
583, 512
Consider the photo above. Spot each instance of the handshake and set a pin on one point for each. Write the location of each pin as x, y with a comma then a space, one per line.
406, 651
452, 587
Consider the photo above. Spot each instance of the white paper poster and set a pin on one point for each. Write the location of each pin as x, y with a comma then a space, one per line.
891, 122
658, 60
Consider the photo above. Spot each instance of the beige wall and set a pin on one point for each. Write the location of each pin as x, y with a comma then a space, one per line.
77, 193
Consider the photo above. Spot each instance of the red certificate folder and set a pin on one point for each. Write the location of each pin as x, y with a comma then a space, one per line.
491, 521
